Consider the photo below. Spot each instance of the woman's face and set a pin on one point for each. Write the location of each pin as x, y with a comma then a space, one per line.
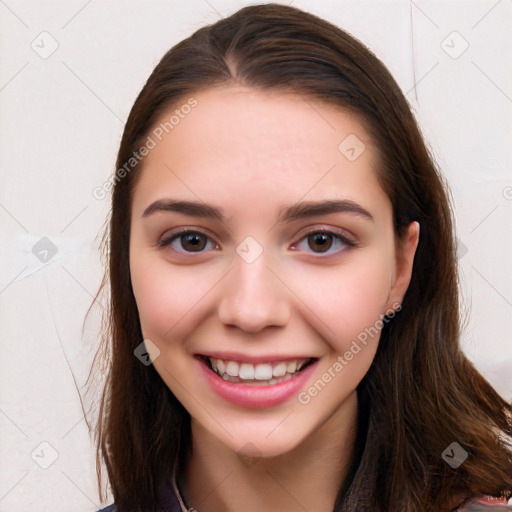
228, 262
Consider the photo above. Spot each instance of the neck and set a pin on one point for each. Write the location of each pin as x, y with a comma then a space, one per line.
216, 479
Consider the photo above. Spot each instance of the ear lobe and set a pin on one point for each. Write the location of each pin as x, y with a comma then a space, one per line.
406, 250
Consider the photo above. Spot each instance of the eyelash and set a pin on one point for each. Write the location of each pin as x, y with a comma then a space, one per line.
167, 240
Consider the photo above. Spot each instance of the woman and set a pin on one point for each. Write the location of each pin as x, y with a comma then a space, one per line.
284, 326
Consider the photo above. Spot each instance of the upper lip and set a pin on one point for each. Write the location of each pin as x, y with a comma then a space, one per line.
246, 358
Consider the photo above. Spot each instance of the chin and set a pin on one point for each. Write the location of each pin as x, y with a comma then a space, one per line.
262, 444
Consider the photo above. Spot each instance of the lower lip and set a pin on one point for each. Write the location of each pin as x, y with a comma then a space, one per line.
256, 395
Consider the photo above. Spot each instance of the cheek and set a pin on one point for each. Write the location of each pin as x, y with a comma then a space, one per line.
160, 300
340, 301
349, 299
165, 295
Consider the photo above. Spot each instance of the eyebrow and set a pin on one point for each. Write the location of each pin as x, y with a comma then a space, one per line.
300, 210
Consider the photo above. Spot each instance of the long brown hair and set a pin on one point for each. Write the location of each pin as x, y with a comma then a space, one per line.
421, 393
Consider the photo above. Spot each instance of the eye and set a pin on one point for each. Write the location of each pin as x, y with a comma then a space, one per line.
190, 241
324, 240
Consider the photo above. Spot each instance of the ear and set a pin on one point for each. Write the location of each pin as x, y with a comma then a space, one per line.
404, 258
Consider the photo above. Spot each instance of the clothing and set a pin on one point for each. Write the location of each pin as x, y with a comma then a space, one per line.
171, 501
486, 506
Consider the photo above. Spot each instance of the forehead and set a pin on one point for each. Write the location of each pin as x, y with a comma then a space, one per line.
259, 147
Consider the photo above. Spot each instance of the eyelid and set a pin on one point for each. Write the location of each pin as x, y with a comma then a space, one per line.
172, 234
344, 234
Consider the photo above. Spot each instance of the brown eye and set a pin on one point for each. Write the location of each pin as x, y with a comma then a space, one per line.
193, 242
189, 241
320, 240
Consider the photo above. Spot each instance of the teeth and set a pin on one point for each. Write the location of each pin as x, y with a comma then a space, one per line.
246, 371
264, 373
279, 369
291, 366
288, 376
232, 368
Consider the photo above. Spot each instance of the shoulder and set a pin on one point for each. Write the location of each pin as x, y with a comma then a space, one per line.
110, 508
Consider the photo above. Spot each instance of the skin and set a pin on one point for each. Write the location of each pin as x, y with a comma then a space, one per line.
250, 153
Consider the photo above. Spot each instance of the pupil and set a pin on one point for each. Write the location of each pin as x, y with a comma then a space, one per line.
194, 240
324, 240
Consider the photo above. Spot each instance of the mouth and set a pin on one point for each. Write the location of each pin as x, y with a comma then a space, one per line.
261, 374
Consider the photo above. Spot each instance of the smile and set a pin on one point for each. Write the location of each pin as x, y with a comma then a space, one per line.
258, 374
262, 384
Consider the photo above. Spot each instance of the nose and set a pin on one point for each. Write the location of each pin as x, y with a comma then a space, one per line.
253, 297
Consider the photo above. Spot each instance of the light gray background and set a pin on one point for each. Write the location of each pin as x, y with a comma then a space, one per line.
62, 119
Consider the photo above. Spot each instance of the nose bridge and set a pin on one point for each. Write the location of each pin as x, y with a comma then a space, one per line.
253, 297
